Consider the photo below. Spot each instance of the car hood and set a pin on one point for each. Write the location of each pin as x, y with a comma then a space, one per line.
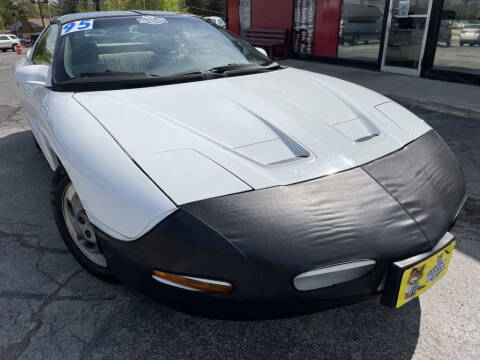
211, 138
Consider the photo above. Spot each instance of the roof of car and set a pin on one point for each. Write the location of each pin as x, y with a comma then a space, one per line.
102, 14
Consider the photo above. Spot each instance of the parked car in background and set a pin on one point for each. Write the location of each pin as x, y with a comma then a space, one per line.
217, 21
445, 32
360, 24
470, 35
460, 24
8, 42
33, 39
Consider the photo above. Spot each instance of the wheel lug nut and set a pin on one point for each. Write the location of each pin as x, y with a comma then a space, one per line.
81, 220
88, 234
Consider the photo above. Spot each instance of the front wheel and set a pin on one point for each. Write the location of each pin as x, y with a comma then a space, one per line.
75, 227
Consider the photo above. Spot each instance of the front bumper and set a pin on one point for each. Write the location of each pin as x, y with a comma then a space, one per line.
388, 210
471, 41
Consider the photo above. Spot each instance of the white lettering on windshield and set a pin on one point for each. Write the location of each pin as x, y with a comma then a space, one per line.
152, 20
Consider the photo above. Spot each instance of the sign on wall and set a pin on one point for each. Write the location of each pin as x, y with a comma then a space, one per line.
304, 26
403, 8
245, 10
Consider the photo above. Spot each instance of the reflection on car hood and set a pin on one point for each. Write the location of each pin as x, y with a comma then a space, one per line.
253, 131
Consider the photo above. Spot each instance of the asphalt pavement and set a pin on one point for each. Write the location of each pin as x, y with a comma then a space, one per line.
52, 309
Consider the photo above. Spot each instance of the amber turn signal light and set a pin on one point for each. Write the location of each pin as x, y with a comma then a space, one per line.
192, 283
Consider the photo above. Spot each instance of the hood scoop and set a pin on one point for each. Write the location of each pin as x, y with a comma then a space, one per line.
273, 152
281, 150
358, 130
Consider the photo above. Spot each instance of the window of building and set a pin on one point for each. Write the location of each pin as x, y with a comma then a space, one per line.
360, 32
458, 42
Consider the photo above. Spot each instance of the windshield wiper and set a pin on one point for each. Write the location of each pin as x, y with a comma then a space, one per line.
110, 73
112, 80
243, 67
187, 72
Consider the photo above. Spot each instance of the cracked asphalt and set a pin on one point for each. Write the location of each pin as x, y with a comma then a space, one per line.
52, 309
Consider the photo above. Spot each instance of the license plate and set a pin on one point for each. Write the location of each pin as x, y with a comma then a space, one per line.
423, 276
410, 278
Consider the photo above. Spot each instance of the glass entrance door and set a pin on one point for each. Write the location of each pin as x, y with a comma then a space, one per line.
407, 27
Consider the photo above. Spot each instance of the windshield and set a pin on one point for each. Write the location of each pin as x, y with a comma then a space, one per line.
152, 45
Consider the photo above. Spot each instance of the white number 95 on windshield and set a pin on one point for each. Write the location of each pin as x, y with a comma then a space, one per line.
77, 26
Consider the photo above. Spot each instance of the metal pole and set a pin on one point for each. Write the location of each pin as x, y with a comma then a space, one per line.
16, 28
41, 14
49, 13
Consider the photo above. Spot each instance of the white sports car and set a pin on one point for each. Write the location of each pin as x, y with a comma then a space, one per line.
192, 167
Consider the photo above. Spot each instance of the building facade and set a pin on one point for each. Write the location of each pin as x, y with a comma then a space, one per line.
26, 28
430, 38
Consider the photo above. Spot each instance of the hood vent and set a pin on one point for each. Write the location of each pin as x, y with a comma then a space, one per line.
281, 150
366, 138
274, 152
358, 130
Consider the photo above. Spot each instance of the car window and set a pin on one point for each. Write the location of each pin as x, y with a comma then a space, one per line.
43, 53
13, 37
159, 46
3, 38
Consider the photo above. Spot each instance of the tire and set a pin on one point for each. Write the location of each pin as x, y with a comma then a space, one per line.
4, 50
13, 48
354, 40
90, 259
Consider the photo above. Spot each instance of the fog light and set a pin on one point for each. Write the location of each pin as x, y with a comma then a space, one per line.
192, 283
331, 275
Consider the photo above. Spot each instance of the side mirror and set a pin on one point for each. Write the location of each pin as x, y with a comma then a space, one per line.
34, 74
262, 50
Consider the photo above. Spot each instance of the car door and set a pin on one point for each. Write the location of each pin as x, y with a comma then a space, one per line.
34, 96
4, 42
14, 40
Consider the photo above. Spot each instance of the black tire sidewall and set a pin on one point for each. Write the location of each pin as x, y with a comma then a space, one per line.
60, 183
